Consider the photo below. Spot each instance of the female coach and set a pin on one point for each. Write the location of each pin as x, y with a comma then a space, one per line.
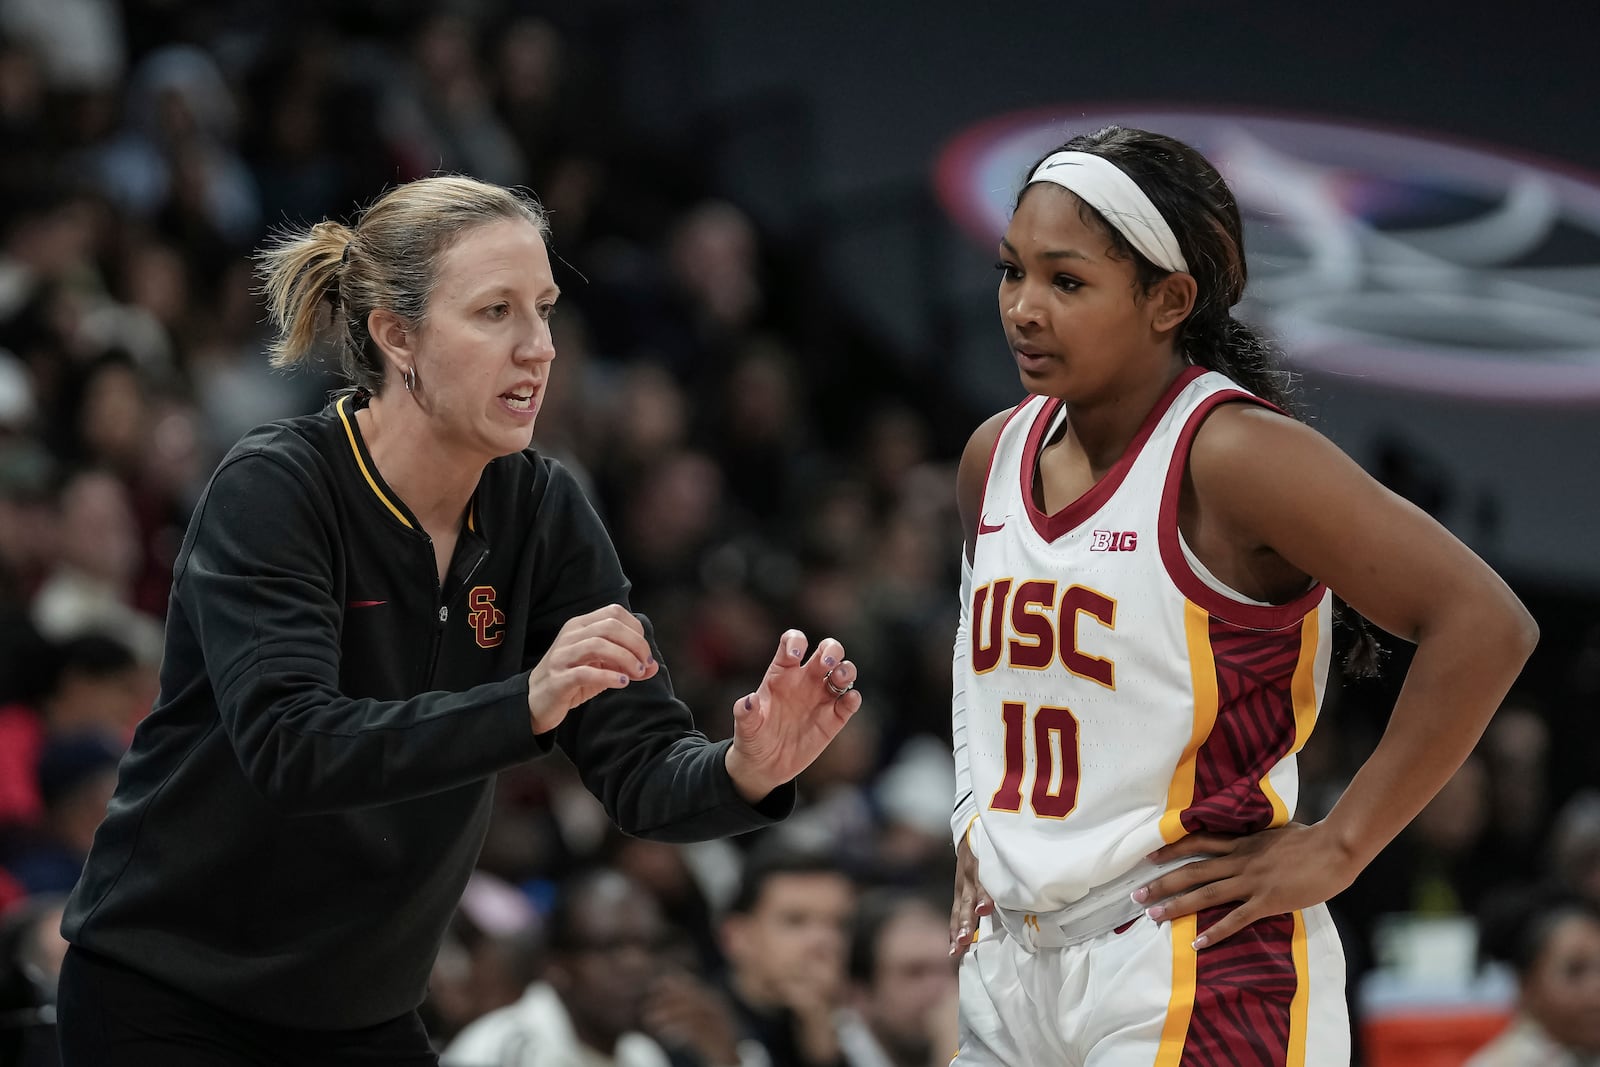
375, 609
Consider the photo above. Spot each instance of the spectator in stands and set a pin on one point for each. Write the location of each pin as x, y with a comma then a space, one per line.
92, 689
605, 985
786, 938
92, 584
1516, 754
903, 983
1552, 940
1433, 868
1575, 845
27, 518
77, 774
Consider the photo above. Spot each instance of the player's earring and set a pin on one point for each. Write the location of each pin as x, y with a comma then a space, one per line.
409, 376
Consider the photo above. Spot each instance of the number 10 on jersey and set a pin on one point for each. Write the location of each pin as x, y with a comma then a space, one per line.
1055, 744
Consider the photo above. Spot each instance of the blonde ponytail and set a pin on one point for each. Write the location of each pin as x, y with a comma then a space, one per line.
300, 280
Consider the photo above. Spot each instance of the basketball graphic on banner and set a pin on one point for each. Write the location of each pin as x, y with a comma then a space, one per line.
1401, 259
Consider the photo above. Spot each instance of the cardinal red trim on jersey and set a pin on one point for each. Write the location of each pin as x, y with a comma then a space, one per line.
1254, 730
1245, 995
1254, 616
1052, 527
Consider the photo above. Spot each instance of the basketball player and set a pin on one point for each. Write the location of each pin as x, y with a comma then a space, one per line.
374, 610
1151, 551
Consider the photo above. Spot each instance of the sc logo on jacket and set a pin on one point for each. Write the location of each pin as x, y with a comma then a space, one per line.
485, 619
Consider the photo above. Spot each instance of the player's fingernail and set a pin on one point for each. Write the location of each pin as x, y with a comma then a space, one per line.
795, 652
1201, 942
747, 704
828, 661
1141, 894
639, 667
1157, 913
652, 661
623, 678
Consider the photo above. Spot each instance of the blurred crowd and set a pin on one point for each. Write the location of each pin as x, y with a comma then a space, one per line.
730, 421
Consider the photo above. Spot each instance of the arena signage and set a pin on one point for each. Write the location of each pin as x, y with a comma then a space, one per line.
1400, 259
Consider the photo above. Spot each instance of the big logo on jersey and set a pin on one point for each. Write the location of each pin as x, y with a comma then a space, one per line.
1398, 258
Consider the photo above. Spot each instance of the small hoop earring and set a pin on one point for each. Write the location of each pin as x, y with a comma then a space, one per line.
409, 376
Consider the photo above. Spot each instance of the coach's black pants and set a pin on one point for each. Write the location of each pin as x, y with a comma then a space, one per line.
111, 1016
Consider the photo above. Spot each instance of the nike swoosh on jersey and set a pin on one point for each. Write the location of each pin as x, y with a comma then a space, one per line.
365, 603
984, 527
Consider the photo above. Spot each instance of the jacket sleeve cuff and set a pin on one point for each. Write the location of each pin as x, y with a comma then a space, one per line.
772, 808
513, 723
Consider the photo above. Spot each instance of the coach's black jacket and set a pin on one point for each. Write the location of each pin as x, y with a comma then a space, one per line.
298, 815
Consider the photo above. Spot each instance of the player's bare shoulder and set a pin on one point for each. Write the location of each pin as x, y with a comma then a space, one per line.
974, 469
1244, 447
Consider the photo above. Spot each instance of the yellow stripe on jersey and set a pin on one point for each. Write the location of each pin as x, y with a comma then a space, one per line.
1180, 1006
1303, 691
1203, 681
1300, 1006
1303, 688
349, 431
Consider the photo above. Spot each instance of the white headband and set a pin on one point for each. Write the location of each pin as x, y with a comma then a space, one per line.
1104, 186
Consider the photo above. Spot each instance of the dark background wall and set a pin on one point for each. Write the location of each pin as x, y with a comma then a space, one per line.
826, 120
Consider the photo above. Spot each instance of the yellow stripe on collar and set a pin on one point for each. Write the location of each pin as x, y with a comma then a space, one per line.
355, 450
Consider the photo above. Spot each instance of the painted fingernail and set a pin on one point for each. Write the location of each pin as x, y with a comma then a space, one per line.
962, 935
828, 661
652, 661
1201, 942
639, 667
795, 652
1141, 894
623, 678
1157, 913
747, 704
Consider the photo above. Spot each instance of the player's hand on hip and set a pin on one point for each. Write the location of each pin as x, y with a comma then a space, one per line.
971, 901
800, 706
605, 649
1272, 872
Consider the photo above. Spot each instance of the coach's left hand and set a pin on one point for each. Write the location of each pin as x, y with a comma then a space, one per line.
1268, 873
799, 707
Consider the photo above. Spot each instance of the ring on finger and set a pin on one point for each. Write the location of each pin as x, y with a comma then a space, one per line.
837, 691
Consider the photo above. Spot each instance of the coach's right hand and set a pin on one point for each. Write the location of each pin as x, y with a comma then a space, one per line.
971, 900
605, 649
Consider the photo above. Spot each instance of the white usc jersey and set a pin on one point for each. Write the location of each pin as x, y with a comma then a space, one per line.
1118, 695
